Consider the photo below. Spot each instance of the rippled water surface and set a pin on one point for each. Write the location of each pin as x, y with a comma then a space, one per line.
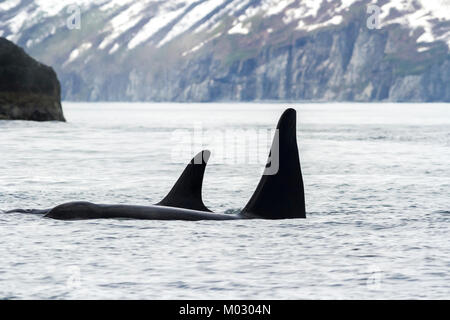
377, 181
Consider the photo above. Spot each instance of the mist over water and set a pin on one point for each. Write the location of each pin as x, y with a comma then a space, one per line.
377, 180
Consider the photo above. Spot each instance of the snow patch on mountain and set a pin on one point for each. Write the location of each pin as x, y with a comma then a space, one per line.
199, 46
421, 14
193, 16
333, 21
114, 48
240, 29
8, 5
121, 23
274, 7
166, 14
77, 52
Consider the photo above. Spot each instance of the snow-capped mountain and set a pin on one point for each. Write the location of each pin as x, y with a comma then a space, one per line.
205, 50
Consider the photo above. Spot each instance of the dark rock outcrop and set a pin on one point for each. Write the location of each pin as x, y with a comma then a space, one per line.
29, 90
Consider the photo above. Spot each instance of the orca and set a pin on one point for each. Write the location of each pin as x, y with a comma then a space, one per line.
278, 195
186, 193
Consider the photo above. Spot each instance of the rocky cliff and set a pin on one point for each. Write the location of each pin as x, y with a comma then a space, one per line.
240, 50
29, 90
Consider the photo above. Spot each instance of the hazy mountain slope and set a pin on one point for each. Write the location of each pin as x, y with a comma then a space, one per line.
209, 50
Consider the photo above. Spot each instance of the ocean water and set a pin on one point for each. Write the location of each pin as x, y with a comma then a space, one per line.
377, 182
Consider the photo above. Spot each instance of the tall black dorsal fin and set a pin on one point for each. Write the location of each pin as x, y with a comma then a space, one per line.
280, 193
187, 191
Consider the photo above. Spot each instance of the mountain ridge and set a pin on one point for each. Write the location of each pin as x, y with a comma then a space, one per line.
229, 50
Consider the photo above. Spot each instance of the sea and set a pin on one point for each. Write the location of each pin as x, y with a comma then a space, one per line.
377, 188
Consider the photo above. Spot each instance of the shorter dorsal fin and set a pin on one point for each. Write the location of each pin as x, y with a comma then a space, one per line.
187, 191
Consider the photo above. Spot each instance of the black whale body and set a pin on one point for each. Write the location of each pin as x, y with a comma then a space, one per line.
87, 210
279, 194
